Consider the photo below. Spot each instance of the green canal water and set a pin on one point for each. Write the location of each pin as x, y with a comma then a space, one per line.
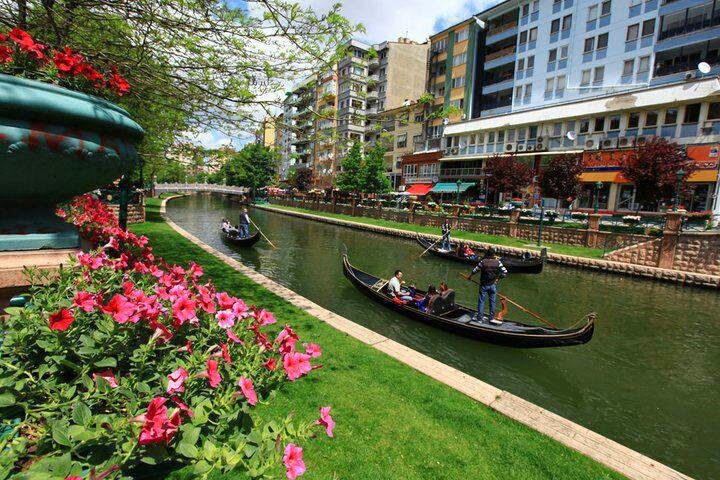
649, 379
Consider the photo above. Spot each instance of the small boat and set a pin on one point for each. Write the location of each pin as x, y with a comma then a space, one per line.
455, 318
525, 264
240, 241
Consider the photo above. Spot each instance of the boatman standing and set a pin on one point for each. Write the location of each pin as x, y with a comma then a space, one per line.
244, 226
491, 271
445, 245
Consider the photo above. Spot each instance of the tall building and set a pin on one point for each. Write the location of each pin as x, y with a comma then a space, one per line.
545, 77
296, 139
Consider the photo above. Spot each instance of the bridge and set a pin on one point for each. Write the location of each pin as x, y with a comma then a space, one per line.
199, 187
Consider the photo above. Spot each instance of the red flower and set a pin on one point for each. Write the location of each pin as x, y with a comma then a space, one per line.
121, 309
211, 373
61, 320
224, 352
246, 386
264, 317
5, 54
177, 378
232, 336
326, 421
27, 44
157, 427
108, 376
184, 309
121, 86
287, 339
87, 71
270, 364
84, 301
313, 350
73, 477
296, 364
66, 62
293, 461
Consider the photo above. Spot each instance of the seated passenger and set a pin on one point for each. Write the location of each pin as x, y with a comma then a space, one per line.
460, 249
396, 290
429, 296
469, 253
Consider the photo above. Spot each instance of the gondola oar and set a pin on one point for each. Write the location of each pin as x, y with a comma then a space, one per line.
431, 246
532, 314
261, 233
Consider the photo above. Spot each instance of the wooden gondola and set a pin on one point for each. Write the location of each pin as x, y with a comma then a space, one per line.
449, 316
240, 241
530, 264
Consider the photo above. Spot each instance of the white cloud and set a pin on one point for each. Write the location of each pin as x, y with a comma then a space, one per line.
214, 139
416, 19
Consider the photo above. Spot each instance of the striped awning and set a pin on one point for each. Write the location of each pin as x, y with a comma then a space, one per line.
451, 187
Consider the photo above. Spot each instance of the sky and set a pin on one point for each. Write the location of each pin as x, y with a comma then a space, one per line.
383, 20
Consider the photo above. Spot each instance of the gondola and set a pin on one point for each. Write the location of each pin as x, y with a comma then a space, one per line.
513, 264
240, 241
449, 316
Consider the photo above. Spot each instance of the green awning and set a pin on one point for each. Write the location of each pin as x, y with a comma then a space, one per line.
451, 187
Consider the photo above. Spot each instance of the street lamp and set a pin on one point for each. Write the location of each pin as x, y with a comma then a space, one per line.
598, 187
459, 184
680, 174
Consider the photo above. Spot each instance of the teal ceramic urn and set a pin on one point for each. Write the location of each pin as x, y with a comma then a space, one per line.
55, 143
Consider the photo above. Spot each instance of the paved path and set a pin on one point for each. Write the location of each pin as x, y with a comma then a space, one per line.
618, 457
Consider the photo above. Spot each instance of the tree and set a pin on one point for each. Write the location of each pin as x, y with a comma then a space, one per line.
507, 175
560, 179
350, 179
653, 168
301, 178
373, 176
252, 167
172, 172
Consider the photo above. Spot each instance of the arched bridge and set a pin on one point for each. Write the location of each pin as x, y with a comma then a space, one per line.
199, 187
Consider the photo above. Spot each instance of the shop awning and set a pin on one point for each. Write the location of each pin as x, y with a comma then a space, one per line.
420, 189
704, 176
451, 187
592, 177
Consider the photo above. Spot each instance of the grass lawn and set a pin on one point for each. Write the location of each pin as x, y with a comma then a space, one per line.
392, 421
478, 237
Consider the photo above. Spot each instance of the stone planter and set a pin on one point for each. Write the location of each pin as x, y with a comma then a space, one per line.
55, 143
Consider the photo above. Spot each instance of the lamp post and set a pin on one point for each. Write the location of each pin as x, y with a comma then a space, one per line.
459, 184
598, 187
680, 174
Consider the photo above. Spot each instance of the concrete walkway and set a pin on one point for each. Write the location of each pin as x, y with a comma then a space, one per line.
618, 457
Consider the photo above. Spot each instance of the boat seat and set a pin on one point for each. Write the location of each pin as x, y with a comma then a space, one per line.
379, 285
443, 303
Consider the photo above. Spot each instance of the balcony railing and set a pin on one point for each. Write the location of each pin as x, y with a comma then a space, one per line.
500, 28
412, 179
465, 173
681, 66
500, 53
687, 26
493, 79
427, 145
492, 104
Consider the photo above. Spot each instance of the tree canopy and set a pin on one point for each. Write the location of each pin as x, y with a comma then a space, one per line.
252, 167
373, 178
507, 174
560, 179
301, 178
349, 179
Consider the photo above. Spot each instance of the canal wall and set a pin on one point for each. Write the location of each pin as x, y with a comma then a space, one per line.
604, 265
626, 461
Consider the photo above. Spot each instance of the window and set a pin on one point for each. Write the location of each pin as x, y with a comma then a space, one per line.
633, 120
602, 41
535, 5
459, 59
459, 103
628, 67
518, 92
644, 64
584, 125
561, 81
692, 113
599, 124
528, 91
532, 132
552, 55
526, 9
567, 22
532, 35
458, 82
632, 32
440, 46
648, 27
599, 75
671, 115
589, 45
523, 37
555, 26
714, 111
557, 129
530, 62
585, 77
605, 8
549, 85
419, 118
402, 140
521, 64
592, 12
615, 122
462, 35
651, 119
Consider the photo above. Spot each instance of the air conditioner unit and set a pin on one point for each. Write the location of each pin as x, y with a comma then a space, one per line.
609, 143
520, 147
541, 147
530, 148
510, 147
540, 140
446, 151
626, 142
454, 151
708, 126
690, 75
592, 143
642, 140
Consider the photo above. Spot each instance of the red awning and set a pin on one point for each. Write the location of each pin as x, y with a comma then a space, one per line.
420, 189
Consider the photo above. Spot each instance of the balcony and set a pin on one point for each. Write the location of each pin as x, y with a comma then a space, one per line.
501, 32
501, 57
688, 26
428, 145
464, 173
413, 179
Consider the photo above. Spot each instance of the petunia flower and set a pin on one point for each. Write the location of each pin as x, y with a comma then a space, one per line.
187, 348
326, 421
5, 54
225, 319
265, 317
61, 320
287, 339
270, 363
293, 460
121, 309
108, 376
211, 373
184, 309
84, 301
296, 365
313, 350
246, 386
232, 336
226, 301
176, 380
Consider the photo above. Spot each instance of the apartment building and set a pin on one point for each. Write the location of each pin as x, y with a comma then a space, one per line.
296, 139
545, 77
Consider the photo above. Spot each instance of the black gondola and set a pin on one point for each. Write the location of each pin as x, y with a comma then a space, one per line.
240, 241
514, 265
447, 315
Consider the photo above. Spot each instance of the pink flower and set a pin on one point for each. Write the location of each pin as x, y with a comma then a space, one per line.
246, 386
177, 378
184, 309
195, 270
313, 350
326, 421
240, 309
232, 336
186, 348
90, 261
61, 320
182, 406
287, 339
296, 364
293, 461
121, 309
211, 373
84, 301
226, 301
270, 363
265, 317
225, 318
108, 376
73, 477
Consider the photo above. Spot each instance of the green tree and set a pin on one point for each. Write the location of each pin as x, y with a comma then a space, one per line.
301, 178
373, 176
172, 172
350, 178
253, 167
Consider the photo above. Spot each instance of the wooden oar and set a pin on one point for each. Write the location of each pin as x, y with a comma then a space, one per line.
531, 313
261, 233
431, 246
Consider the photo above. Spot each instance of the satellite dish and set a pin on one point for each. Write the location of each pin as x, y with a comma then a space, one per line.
571, 135
704, 67
446, 121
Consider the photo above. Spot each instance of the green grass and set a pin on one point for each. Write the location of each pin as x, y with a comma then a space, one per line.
392, 421
478, 237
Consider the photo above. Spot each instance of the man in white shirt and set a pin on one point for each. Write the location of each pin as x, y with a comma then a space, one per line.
395, 287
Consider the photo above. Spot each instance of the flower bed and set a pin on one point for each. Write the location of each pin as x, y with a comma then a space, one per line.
136, 362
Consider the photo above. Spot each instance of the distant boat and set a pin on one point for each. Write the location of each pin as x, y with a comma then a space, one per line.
445, 314
240, 241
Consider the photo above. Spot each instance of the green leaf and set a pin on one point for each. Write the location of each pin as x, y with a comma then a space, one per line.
87, 383
187, 450
209, 450
59, 435
81, 414
7, 399
108, 362
202, 467
13, 311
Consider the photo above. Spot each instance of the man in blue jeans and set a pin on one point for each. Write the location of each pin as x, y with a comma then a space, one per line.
244, 226
491, 271
445, 245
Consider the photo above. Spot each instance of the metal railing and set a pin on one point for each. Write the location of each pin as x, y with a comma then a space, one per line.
200, 187
494, 30
412, 179
467, 172
690, 25
500, 53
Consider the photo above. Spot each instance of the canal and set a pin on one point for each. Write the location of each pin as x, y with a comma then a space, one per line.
649, 379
